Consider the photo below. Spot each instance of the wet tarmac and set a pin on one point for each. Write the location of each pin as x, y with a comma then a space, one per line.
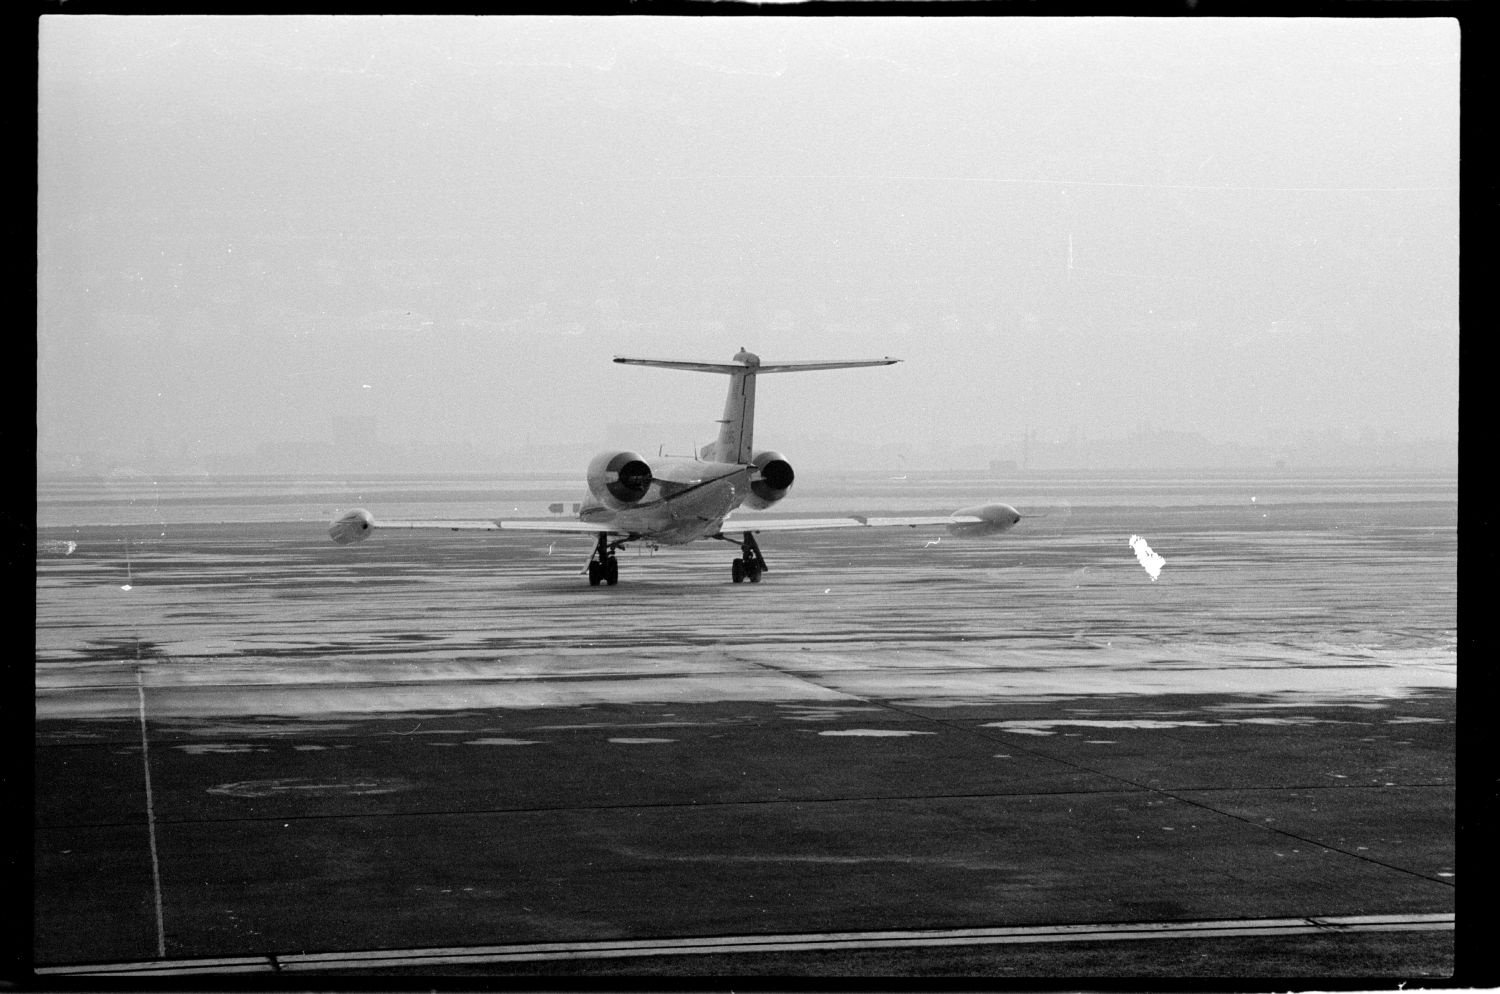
251, 742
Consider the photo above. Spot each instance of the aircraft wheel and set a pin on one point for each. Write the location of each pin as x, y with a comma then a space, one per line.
737, 570
596, 573
752, 574
611, 571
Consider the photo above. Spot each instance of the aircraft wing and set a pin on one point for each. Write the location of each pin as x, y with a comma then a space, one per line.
852, 521
982, 519
356, 525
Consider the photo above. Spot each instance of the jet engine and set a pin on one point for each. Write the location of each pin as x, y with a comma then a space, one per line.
771, 480
619, 479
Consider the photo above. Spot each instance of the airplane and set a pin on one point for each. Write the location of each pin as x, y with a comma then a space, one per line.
673, 500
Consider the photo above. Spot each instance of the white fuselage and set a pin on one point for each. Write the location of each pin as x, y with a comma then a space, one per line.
687, 500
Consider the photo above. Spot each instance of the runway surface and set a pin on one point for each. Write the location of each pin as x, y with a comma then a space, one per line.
252, 743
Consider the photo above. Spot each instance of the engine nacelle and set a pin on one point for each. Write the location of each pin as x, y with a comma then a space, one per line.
771, 480
619, 479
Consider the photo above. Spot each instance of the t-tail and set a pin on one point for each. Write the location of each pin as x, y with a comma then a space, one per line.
735, 443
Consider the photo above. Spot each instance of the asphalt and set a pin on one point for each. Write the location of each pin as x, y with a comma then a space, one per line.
266, 747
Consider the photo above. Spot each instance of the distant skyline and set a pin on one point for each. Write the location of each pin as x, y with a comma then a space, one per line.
1142, 449
306, 241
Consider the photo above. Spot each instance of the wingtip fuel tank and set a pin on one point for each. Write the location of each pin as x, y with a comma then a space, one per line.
995, 518
352, 526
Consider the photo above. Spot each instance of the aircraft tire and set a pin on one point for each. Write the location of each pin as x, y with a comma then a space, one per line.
752, 574
611, 571
596, 574
737, 570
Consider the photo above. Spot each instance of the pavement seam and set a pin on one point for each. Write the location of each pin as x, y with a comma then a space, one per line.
979, 731
702, 805
1163, 792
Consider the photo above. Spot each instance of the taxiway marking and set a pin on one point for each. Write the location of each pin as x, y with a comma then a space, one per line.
610, 949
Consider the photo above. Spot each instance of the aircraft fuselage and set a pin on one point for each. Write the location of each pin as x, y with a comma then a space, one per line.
687, 500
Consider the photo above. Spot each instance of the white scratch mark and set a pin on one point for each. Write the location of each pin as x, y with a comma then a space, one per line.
934, 541
1150, 561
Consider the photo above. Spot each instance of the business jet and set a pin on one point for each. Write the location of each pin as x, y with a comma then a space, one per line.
674, 500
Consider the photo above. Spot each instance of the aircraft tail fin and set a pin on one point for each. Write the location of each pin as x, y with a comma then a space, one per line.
737, 426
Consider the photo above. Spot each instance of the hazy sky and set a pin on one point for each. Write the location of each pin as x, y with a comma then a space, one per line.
253, 229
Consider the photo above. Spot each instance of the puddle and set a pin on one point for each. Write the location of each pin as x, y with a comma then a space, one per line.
254, 727
219, 747
829, 712
1046, 726
1294, 720
875, 732
307, 786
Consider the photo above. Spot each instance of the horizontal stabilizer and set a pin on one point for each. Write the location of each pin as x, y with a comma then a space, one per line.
700, 367
757, 367
735, 443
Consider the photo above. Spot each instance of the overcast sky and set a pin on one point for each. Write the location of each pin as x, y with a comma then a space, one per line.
254, 232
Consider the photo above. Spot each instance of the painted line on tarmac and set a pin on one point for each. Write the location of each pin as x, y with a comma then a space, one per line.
806, 942
161, 934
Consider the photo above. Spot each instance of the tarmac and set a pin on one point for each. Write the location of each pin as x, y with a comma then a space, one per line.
256, 751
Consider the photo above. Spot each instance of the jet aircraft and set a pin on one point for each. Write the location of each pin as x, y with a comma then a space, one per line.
673, 500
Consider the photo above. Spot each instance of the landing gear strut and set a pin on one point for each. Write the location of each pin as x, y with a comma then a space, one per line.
603, 566
751, 563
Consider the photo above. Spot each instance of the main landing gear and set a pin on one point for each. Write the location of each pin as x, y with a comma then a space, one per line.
603, 566
751, 563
